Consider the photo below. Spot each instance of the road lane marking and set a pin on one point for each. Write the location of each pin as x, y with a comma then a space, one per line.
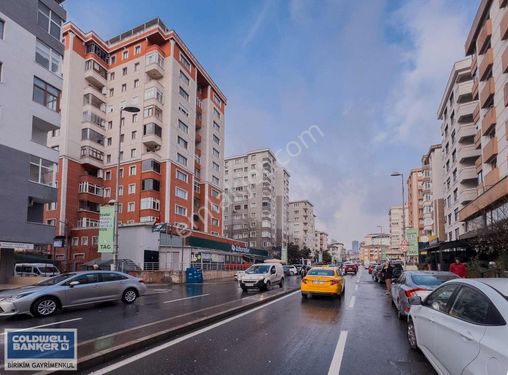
46, 325
356, 287
338, 354
169, 344
352, 302
182, 299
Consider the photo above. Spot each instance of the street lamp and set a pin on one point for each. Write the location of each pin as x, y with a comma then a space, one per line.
396, 174
130, 109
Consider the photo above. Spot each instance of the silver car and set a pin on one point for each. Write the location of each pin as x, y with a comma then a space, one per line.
71, 289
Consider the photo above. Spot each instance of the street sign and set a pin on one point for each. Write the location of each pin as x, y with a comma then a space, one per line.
404, 246
106, 229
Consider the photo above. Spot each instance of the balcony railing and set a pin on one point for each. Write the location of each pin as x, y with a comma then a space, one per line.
484, 36
489, 120
154, 65
491, 178
486, 65
487, 92
90, 152
490, 150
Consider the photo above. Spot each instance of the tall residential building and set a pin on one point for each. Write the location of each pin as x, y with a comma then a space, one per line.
396, 228
256, 188
457, 113
487, 44
433, 195
320, 241
374, 247
337, 251
355, 246
171, 152
415, 200
301, 224
30, 104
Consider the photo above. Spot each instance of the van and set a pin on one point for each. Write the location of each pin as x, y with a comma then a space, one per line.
35, 269
262, 276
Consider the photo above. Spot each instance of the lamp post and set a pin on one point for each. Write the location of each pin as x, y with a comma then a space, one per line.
395, 174
130, 109
381, 240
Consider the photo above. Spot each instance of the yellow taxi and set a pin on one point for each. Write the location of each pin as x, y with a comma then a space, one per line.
323, 281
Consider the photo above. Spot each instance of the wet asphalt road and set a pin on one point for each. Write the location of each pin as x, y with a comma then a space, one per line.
289, 336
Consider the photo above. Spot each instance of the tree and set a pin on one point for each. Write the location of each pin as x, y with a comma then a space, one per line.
491, 243
294, 254
327, 257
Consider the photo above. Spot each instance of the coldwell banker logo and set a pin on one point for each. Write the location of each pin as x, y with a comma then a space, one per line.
41, 349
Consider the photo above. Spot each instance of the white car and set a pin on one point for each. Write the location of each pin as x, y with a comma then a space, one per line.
461, 327
238, 275
262, 276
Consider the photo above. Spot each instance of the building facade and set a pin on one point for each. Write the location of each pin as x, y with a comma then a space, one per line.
396, 229
355, 246
257, 194
302, 227
30, 104
487, 45
170, 152
320, 241
457, 113
337, 251
374, 247
415, 200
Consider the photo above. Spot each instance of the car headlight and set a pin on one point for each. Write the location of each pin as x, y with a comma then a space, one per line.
16, 297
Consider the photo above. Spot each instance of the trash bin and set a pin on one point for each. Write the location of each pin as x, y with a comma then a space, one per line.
193, 275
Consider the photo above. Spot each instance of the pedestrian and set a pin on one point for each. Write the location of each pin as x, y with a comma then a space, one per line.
388, 275
458, 268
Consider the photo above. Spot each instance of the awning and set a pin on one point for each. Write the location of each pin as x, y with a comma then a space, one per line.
448, 245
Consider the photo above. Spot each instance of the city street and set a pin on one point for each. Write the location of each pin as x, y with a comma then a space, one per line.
359, 334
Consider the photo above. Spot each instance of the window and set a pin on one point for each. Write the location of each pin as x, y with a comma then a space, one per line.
216, 126
152, 111
120, 174
216, 139
124, 71
184, 94
181, 159
111, 76
107, 175
2, 28
185, 61
183, 110
133, 153
107, 192
216, 112
137, 50
215, 222
49, 21
136, 67
181, 176
153, 93
46, 95
179, 210
150, 184
124, 87
125, 54
182, 142
132, 170
184, 77
75, 241
133, 134
120, 190
113, 60
216, 153
42, 171
183, 127
84, 241
150, 165
215, 166
52, 206
131, 206
1, 69
215, 180
152, 128
215, 193
150, 204
438, 300
215, 207
472, 306
136, 83
48, 57
181, 193
217, 100
132, 188
111, 92
110, 125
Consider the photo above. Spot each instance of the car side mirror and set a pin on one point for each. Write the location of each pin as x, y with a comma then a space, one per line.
72, 284
415, 301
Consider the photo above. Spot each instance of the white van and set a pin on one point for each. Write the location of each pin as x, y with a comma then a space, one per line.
262, 276
35, 269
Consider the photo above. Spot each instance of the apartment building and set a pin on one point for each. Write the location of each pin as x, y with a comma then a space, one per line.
396, 219
457, 111
415, 200
30, 93
302, 227
374, 247
257, 193
355, 246
170, 152
433, 195
337, 251
320, 241
487, 45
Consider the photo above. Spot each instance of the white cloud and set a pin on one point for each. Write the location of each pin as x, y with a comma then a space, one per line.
260, 17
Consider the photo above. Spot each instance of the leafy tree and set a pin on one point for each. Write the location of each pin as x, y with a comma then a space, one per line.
327, 257
491, 243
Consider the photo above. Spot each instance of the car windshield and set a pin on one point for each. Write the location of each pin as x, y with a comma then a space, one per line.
48, 270
56, 279
258, 269
319, 272
431, 280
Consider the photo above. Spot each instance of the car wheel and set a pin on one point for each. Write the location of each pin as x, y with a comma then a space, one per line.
129, 295
45, 306
244, 289
411, 335
304, 296
281, 284
268, 285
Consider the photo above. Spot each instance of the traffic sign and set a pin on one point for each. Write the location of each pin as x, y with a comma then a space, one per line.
404, 246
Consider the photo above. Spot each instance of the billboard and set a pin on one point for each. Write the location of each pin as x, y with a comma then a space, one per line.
106, 229
412, 239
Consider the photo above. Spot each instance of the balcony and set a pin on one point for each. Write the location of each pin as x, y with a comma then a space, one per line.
465, 112
148, 154
486, 65
467, 152
467, 195
490, 150
198, 138
478, 165
467, 173
476, 113
474, 64
504, 25
489, 120
487, 93
152, 134
95, 78
474, 89
478, 140
466, 131
462, 91
484, 36
491, 178
197, 159
154, 65
92, 156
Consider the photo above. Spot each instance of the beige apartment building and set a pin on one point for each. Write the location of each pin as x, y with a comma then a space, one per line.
337, 251
256, 199
374, 247
433, 195
302, 230
415, 200
171, 151
321, 241
396, 228
487, 45
457, 113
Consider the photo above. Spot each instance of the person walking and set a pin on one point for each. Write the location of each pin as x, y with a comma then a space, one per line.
388, 275
458, 268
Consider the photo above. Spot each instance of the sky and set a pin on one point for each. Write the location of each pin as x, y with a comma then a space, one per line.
345, 92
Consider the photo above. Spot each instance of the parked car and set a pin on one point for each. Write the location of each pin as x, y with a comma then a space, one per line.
416, 283
71, 289
262, 276
238, 275
323, 281
376, 273
350, 268
371, 267
35, 269
461, 327
290, 270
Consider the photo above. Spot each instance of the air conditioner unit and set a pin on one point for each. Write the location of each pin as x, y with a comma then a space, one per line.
104, 91
100, 173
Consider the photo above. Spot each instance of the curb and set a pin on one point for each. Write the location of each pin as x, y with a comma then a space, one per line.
143, 343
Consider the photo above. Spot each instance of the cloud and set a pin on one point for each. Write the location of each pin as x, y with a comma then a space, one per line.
257, 23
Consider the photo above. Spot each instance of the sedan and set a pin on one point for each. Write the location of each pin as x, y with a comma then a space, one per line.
71, 289
323, 281
290, 270
416, 283
461, 327
350, 268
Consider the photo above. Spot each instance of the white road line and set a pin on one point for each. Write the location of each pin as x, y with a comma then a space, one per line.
352, 302
182, 299
356, 288
46, 325
339, 353
142, 355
